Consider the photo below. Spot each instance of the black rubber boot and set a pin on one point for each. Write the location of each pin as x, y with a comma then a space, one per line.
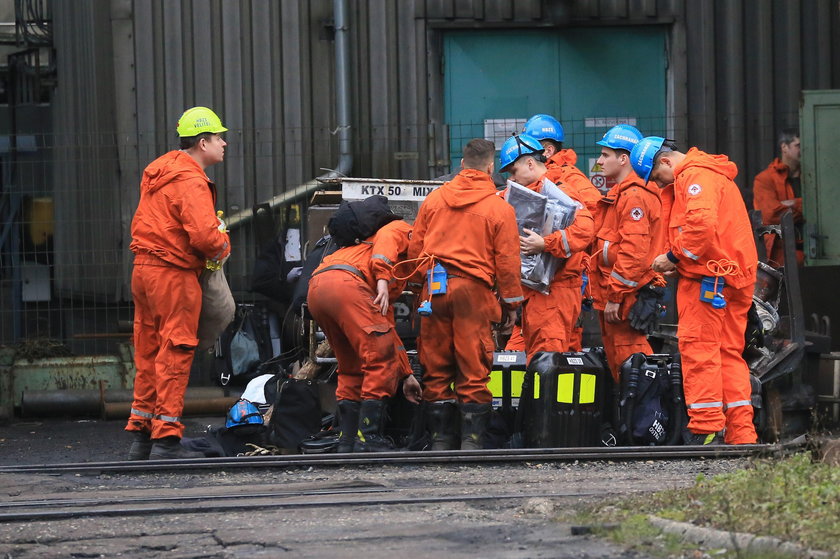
348, 421
169, 448
442, 421
474, 418
141, 445
371, 424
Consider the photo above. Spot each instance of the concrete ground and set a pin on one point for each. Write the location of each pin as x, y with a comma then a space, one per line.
531, 521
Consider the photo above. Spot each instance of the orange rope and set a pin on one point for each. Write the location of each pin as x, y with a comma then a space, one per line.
424, 258
722, 268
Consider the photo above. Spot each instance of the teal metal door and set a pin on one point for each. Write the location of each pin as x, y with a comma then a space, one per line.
819, 119
590, 79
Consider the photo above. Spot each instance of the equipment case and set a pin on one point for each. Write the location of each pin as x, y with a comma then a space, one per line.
563, 400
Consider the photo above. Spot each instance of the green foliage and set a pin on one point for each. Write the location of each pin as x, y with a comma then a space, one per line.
793, 499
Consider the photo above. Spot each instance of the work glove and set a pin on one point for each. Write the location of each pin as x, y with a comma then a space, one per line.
645, 312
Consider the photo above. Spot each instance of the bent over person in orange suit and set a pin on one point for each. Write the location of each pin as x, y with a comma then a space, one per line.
711, 246
472, 233
174, 233
349, 296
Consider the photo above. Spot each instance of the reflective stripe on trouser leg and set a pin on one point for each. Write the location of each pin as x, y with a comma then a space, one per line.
146, 347
173, 377
699, 329
459, 344
737, 390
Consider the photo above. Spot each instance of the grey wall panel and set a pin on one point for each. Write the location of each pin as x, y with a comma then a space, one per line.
729, 58
263, 103
88, 236
758, 93
736, 69
700, 38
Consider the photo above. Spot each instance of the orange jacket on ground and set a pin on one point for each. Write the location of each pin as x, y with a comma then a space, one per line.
176, 217
770, 187
472, 232
375, 257
631, 235
709, 219
561, 167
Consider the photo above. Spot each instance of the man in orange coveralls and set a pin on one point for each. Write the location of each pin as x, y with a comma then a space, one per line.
472, 233
709, 236
630, 236
175, 233
349, 296
548, 320
560, 165
776, 189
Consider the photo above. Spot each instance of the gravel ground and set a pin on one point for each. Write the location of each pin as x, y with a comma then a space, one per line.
534, 524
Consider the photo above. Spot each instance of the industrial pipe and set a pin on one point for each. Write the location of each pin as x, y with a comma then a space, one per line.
202, 406
57, 403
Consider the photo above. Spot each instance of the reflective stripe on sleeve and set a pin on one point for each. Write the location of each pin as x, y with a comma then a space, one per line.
513, 299
626, 282
605, 255
701, 405
690, 254
565, 241
382, 257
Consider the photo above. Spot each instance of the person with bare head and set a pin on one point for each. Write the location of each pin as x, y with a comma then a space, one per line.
776, 190
466, 229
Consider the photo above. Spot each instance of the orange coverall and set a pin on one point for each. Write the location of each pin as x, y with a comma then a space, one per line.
174, 231
709, 222
371, 357
770, 187
472, 233
561, 168
548, 321
631, 235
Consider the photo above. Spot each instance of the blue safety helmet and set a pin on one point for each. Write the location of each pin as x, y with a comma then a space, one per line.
621, 136
244, 414
544, 127
641, 157
516, 146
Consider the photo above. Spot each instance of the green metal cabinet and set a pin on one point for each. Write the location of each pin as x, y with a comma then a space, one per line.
819, 118
588, 78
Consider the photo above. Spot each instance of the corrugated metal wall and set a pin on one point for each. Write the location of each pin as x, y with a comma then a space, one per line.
127, 68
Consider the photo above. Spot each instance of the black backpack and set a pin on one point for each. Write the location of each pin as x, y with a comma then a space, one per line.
652, 407
355, 221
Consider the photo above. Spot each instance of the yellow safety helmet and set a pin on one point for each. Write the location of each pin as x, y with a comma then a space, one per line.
199, 120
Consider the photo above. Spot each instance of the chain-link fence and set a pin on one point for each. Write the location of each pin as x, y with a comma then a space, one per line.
67, 205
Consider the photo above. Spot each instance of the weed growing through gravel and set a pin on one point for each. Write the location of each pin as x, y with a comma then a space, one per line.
794, 499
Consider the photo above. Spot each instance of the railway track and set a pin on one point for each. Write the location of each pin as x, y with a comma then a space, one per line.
406, 458
40, 510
